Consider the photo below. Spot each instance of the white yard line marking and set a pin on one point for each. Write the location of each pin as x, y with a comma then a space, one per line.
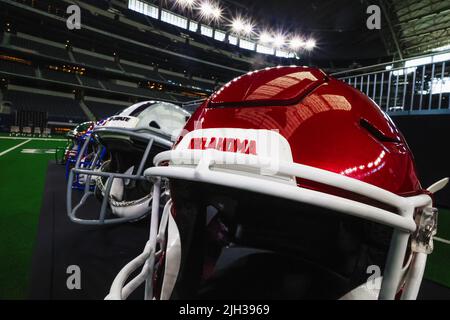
441, 240
38, 151
13, 148
37, 139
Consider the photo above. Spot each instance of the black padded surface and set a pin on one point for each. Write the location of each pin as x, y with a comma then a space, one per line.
433, 291
426, 136
99, 251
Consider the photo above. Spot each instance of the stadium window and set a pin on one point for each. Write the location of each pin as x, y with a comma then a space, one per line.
219, 35
282, 54
132, 5
439, 86
193, 26
401, 72
264, 49
443, 48
245, 44
140, 7
417, 62
144, 8
441, 57
233, 40
153, 11
173, 19
206, 31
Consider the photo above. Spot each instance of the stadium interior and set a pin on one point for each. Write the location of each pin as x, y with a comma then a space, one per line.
53, 78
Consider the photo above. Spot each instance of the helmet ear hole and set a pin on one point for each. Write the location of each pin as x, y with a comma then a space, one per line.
154, 124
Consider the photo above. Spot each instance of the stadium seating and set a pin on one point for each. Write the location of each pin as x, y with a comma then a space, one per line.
57, 108
47, 132
203, 85
178, 80
148, 74
161, 95
17, 68
98, 62
183, 99
94, 61
59, 76
135, 16
213, 56
186, 82
119, 88
102, 110
42, 48
90, 82
156, 76
137, 62
152, 94
14, 131
26, 131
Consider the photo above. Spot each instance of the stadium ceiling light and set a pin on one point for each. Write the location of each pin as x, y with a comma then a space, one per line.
217, 13
210, 11
310, 44
297, 43
279, 40
248, 28
265, 37
186, 4
238, 25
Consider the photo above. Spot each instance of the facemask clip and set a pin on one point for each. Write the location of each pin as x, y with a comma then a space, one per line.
422, 240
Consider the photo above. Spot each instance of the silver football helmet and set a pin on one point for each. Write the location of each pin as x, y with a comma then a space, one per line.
130, 139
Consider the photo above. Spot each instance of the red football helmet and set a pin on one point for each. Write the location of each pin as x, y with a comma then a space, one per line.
287, 183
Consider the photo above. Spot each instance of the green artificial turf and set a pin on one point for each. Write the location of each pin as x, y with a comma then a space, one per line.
53, 137
6, 144
22, 179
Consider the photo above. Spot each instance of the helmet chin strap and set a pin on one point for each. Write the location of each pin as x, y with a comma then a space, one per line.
119, 207
134, 209
129, 171
118, 186
117, 189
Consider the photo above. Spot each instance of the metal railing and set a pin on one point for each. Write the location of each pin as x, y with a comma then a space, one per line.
419, 85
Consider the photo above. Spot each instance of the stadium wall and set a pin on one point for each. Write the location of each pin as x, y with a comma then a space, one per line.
429, 139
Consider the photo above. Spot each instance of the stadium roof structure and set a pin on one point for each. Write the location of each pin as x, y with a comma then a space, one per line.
339, 29
408, 28
418, 26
